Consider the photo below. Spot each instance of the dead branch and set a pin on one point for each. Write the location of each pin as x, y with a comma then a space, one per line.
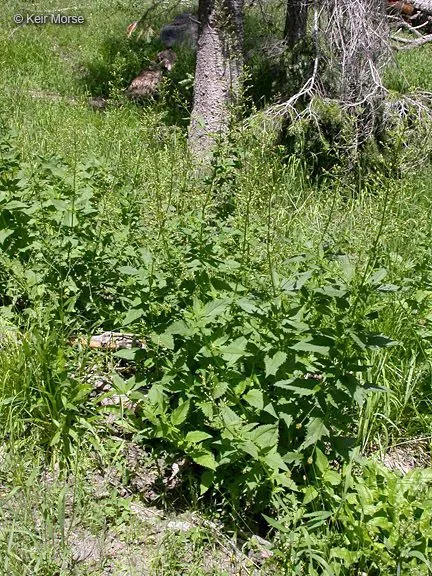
110, 341
409, 44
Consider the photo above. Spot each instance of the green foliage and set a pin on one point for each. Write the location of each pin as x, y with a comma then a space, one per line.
251, 377
377, 523
263, 300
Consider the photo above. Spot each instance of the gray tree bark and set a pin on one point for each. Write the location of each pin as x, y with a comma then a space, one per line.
218, 73
295, 21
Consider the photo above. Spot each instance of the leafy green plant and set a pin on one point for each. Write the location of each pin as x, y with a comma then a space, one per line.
248, 381
377, 522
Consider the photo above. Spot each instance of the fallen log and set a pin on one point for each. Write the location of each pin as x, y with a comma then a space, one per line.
111, 341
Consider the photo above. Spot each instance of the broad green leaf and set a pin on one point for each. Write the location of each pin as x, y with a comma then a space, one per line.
308, 346
332, 291
207, 409
420, 556
207, 478
179, 327
332, 477
220, 389
287, 418
4, 234
377, 277
215, 308
310, 494
309, 388
127, 353
204, 458
133, 315
269, 408
296, 283
179, 415
146, 256
321, 461
357, 340
264, 436
128, 270
235, 350
274, 460
247, 305
388, 288
197, 436
275, 524
249, 448
165, 340
255, 398
380, 522
316, 429
229, 416
273, 363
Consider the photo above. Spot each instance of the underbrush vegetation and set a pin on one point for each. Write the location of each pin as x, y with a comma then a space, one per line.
278, 389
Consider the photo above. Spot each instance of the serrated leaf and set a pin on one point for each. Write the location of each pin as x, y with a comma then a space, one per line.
274, 460
296, 283
235, 350
165, 340
207, 409
287, 418
316, 430
204, 458
377, 277
229, 416
273, 363
146, 256
197, 436
179, 327
321, 461
219, 390
255, 398
308, 346
247, 305
249, 448
332, 291
269, 408
264, 436
307, 389
179, 415
388, 288
215, 308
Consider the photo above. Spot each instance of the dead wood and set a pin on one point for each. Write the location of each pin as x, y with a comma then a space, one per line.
111, 341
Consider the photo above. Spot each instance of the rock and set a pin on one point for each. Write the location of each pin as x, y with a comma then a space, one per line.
183, 29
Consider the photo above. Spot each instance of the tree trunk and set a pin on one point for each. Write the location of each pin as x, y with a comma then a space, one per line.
218, 73
295, 21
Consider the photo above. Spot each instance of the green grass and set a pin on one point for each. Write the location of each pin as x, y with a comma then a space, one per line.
103, 226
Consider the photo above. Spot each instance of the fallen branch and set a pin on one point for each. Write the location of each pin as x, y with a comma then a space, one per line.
409, 44
111, 341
